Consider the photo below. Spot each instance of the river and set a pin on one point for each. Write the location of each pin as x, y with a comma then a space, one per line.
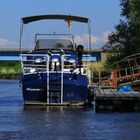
19, 123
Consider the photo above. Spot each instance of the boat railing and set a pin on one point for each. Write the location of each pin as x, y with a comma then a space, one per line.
33, 63
128, 71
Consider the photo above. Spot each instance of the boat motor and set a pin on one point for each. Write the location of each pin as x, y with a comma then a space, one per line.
80, 49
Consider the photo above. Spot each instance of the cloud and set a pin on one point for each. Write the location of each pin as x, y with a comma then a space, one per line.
96, 41
105, 36
7, 43
84, 38
102, 39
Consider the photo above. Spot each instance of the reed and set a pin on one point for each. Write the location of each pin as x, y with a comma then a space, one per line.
99, 71
9, 69
97, 66
3, 70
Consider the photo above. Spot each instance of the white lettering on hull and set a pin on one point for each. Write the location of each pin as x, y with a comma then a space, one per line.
34, 89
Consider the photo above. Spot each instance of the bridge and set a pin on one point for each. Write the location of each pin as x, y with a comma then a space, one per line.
10, 54
13, 54
11, 51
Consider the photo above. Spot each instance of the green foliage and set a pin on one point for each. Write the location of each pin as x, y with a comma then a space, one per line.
131, 10
110, 62
125, 40
98, 67
9, 69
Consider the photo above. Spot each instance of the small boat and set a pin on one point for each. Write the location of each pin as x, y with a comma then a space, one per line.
125, 72
54, 72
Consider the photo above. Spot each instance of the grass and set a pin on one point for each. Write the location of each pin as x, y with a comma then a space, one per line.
97, 69
9, 69
97, 66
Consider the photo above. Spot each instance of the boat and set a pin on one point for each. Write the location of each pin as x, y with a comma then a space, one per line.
53, 72
125, 72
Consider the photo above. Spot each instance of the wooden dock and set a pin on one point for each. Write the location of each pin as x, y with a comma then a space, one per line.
108, 99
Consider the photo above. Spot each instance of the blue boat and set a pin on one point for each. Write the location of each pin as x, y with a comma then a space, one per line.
53, 72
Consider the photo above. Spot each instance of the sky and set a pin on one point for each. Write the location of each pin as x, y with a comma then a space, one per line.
103, 14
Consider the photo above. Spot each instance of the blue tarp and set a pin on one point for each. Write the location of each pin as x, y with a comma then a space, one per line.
125, 89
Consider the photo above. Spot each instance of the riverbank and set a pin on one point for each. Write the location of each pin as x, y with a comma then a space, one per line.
9, 69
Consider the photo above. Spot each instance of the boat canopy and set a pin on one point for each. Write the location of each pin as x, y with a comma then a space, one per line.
29, 19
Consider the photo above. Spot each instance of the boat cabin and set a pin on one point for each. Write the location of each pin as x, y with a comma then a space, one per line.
45, 44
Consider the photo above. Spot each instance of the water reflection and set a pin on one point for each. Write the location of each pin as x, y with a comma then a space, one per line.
60, 123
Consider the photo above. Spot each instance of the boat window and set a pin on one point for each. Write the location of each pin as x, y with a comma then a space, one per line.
65, 44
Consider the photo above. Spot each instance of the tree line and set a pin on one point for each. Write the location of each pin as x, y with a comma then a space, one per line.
125, 40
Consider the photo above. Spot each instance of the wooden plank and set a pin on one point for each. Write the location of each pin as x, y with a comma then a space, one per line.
129, 94
112, 94
137, 95
117, 96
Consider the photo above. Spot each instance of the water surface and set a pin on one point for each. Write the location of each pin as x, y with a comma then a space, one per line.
18, 123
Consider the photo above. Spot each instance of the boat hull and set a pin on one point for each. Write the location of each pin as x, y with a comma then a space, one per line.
35, 88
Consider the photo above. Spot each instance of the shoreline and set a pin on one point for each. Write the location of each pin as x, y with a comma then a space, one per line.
9, 76
9, 70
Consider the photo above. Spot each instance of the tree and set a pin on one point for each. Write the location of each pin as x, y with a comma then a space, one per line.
126, 38
131, 10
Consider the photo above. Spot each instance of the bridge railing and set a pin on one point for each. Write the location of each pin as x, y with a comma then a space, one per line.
13, 49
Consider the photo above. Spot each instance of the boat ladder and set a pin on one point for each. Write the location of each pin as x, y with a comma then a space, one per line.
55, 85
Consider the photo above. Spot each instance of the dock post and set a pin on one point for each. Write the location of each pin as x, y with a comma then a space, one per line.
114, 78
